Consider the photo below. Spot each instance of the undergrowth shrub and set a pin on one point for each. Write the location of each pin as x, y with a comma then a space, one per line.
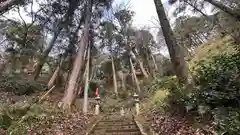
166, 82
19, 117
215, 98
19, 85
218, 92
123, 94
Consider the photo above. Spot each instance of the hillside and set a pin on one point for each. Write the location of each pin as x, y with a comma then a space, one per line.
171, 107
213, 48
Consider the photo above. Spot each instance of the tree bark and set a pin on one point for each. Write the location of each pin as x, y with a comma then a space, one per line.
3, 63
176, 54
71, 47
114, 77
155, 65
122, 76
45, 54
154, 62
93, 72
52, 80
139, 61
86, 86
142, 68
224, 8
55, 75
134, 75
69, 95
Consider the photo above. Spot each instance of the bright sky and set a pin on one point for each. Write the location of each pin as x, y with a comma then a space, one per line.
146, 16
145, 11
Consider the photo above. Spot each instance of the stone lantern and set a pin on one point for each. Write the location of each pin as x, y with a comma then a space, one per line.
136, 101
97, 107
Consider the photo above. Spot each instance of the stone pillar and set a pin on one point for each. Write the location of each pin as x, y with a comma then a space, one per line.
136, 100
97, 107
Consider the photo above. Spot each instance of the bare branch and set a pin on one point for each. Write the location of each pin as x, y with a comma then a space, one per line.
18, 10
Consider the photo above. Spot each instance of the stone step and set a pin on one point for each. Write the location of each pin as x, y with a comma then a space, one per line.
117, 130
115, 124
122, 130
116, 127
115, 120
120, 133
117, 117
110, 132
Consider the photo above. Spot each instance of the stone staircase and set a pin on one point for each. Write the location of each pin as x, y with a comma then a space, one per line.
116, 125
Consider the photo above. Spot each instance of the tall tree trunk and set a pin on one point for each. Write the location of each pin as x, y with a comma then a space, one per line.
69, 94
3, 63
142, 68
134, 75
7, 4
71, 47
176, 54
86, 86
139, 61
52, 81
154, 63
45, 54
224, 8
93, 72
114, 77
149, 65
122, 76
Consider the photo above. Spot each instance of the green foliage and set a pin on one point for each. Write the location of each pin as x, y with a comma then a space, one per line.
5, 120
124, 16
216, 47
228, 120
111, 106
160, 97
229, 24
27, 116
25, 36
19, 85
18, 117
219, 80
188, 27
160, 83
215, 95
123, 94
218, 90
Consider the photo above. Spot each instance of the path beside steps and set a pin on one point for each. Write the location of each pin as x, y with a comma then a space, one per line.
116, 125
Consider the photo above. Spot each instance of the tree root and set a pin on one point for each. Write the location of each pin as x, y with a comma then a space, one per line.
67, 107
